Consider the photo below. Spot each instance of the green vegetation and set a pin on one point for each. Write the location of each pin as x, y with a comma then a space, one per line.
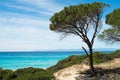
26, 74
41, 74
98, 57
71, 60
103, 57
80, 20
112, 34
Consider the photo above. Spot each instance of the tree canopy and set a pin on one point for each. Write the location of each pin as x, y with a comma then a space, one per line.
83, 20
112, 34
77, 18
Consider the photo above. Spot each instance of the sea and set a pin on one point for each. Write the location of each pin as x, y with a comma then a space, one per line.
42, 59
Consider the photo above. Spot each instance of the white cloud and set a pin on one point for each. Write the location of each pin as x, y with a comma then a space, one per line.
24, 32
24, 22
24, 38
29, 9
45, 4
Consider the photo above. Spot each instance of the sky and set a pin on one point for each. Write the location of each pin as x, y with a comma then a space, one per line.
24, 25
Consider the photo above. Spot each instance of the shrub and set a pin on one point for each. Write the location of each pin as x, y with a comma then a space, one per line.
26, 74
33, 74
71, 60
98, 57
7, 75
41, 74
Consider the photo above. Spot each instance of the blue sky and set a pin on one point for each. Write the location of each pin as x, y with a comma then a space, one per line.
24, 25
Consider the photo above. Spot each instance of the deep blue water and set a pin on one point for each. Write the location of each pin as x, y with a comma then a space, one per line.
16, 60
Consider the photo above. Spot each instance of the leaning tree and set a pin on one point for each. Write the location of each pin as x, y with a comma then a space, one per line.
112, 34
83, 20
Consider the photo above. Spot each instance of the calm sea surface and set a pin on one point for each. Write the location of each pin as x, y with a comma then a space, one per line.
16, 60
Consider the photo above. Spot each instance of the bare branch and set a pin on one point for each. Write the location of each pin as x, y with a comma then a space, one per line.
85, 51
97, 29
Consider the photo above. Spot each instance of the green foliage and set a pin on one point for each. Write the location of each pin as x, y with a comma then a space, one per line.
70, 17
114, 18
33, 74
26, 74
7, 75
79, 20
27, 70
41, 74
98, 57
71, 60
112, 34
1, 68
115, 54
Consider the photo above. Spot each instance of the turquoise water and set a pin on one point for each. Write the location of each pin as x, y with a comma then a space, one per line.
16, 60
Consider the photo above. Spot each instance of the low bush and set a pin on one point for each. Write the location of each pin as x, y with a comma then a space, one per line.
41, 74
98, 57
26, 74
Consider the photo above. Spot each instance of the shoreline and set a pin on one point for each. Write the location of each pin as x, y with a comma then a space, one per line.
66, 69
39, 62
36, 60
23, 68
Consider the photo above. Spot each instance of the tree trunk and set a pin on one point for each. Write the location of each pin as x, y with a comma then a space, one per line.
91, 60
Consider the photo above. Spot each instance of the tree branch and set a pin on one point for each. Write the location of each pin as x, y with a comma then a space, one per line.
85, 51
96, 30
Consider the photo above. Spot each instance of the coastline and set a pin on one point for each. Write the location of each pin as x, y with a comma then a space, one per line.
34, 59
68, 68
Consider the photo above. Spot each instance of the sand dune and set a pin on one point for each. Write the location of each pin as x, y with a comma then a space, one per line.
72, 72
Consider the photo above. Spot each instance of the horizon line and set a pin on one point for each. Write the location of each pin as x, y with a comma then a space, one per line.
97, 49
